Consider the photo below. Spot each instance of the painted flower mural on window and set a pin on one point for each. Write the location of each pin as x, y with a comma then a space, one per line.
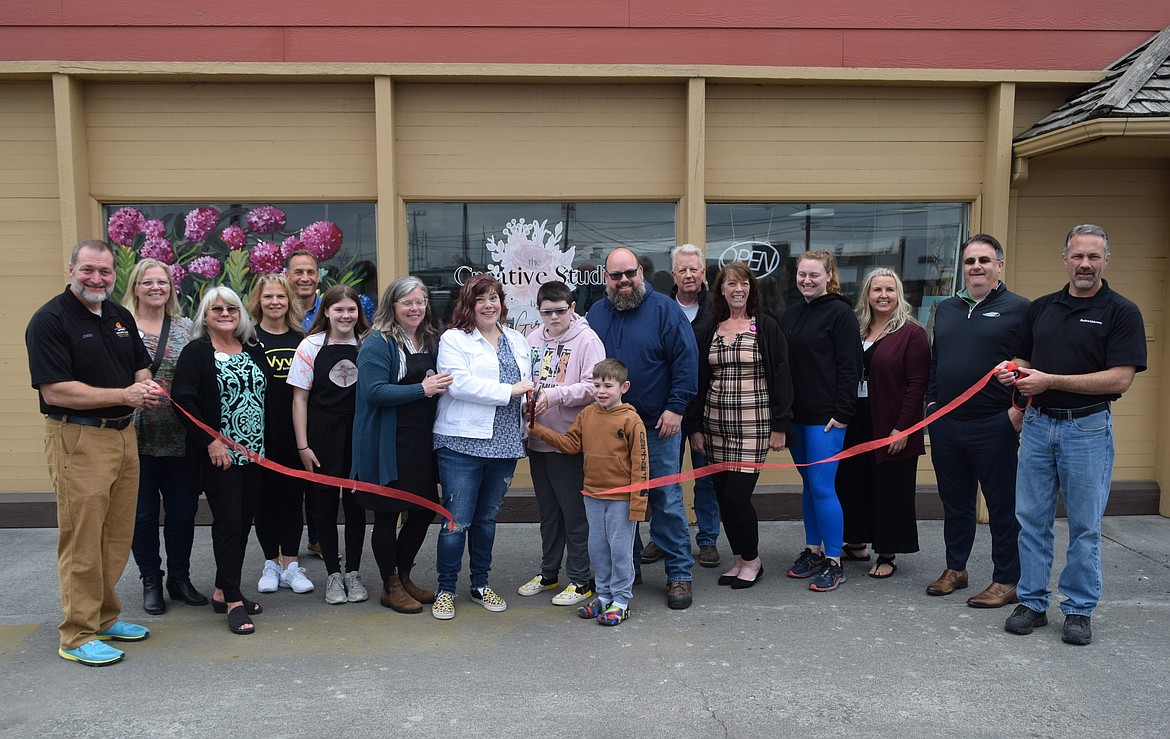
209, 247
528, 256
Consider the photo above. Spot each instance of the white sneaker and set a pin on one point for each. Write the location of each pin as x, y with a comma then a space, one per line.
335, 590
572, 595
536, 585
269, 577
295, 579
355, 589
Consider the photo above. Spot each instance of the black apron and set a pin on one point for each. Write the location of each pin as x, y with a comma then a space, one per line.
331, 407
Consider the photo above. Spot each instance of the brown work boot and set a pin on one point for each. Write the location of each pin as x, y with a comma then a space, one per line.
422, 596
396, 598
678, 594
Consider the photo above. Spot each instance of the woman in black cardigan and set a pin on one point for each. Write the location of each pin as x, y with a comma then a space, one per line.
743, 409
221, 379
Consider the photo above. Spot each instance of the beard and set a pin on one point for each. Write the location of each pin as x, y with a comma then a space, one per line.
80, 291
626, 302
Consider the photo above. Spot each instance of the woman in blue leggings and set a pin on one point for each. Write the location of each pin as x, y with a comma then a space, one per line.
824, 354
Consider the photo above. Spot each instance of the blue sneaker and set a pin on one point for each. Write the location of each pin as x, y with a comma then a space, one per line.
123, 631
807, 564
93, 653
831, 576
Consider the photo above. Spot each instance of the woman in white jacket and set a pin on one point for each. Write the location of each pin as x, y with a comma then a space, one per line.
479, 435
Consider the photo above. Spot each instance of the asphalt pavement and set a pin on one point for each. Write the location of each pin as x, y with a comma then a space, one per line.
877, 658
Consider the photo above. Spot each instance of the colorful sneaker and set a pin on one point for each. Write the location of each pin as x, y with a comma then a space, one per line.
335, 590
613, 615
444, 606
355, 588
828, 578
489, 600
269, 577
592, 609
807, 564
536, 585
572, 595
294, 579
123, 631
93, 653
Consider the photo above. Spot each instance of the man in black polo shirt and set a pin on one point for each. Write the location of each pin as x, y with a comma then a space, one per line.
975, 445
1078, 350
91, 370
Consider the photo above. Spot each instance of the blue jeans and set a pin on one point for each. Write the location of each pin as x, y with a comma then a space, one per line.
1075, 457
473, 488
668, 520
168, 477
824, 522
706, 505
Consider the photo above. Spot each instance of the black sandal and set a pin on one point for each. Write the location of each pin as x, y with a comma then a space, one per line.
884, 561
237, 619
847, 553
253, 608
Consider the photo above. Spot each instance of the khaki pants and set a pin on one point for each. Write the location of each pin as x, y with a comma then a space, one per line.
95, 476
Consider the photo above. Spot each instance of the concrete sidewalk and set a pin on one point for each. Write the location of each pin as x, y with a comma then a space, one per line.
877, 658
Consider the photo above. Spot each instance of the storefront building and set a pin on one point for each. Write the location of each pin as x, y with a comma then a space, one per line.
530, 140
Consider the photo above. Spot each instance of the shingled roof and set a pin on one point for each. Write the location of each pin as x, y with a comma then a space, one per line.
1135, 86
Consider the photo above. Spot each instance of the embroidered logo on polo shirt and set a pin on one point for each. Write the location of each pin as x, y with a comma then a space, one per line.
1090, 320
991, 314
120, 330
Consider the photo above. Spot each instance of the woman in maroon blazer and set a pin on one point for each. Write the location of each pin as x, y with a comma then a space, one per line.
877, 488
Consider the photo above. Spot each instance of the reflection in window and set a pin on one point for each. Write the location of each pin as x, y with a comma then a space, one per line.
527, 243
920, 241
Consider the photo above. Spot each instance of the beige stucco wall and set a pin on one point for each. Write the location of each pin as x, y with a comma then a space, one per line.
34, 268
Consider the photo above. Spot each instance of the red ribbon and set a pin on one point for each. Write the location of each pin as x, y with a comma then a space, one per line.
341, 482
868, 446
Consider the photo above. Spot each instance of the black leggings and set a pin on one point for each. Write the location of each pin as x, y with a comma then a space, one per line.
278, 515
395, 551
734, 490
355, 527
232, 498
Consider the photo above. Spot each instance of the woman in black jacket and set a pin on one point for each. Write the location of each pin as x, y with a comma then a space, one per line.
220, 379
743, 409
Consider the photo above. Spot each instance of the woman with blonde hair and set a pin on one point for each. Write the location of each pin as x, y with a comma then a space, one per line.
152, 299
278, 316
876, 488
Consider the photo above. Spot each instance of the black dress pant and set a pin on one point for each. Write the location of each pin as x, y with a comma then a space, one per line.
232, 495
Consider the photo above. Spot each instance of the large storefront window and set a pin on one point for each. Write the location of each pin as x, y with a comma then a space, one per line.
920, 241
526, 244
232, 243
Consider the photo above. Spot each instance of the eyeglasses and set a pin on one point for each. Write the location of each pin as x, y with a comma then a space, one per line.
554, 312
219, 310
629, 274
981, 260
152, 283
412, 303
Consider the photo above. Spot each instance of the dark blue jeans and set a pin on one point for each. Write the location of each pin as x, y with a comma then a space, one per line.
164, 479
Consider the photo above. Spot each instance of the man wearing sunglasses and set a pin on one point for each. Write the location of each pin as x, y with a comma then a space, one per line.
975, 445
649, 332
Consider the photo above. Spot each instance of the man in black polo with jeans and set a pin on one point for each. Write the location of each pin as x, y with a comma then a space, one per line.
91, 369
1077, 351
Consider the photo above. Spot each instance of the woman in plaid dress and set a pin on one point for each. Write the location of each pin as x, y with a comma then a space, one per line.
743, 409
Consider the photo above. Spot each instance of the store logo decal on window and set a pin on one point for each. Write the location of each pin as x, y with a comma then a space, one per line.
760, 256
525, 258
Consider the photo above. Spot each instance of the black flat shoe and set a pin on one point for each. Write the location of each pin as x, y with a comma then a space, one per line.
184, 591
253, 608
740, 584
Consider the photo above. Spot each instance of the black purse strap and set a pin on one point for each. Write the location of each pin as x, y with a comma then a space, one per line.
162, 345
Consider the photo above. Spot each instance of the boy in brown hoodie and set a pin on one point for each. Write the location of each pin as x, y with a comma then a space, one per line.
612, 438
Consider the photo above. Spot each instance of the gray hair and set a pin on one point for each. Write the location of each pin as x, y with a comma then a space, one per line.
683, 250
1087, 229
386, 322
245, 331
96, 245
